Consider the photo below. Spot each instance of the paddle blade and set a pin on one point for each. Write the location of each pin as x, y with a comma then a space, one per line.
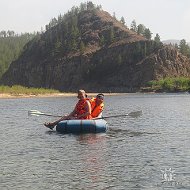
34, 112
38, 113
134, 114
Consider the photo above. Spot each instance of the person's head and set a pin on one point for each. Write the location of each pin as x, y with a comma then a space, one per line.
81, 94
99, 98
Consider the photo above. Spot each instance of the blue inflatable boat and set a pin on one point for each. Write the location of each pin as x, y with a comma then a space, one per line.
82, 126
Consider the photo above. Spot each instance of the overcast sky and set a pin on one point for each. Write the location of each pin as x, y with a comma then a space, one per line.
169, 18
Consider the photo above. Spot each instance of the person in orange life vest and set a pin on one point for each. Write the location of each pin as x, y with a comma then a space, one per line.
82, 110
97, 105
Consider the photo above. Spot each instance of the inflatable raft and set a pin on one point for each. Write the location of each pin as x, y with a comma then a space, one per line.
82, 126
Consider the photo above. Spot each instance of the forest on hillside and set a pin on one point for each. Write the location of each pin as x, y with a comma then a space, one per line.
63, 36
72, 31
11, 46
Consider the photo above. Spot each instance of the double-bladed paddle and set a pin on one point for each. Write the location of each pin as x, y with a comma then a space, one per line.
131, 114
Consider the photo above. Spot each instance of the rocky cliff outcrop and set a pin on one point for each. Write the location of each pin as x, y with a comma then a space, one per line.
114, 58
165, 62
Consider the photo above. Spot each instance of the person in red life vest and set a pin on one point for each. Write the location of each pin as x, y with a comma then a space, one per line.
82, 110
97, 106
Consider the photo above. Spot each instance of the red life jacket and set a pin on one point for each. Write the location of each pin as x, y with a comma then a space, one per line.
80, 108
96, 109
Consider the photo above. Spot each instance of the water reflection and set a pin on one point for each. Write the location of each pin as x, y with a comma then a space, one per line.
91, 138
93, 159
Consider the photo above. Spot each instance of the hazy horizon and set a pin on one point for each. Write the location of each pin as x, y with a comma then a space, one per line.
168, 18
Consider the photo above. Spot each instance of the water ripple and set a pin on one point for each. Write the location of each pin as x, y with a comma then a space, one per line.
131, 155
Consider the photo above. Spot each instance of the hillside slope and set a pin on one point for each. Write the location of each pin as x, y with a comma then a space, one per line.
93, 50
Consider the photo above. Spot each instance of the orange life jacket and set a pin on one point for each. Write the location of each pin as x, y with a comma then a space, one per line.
80, 108
96, 109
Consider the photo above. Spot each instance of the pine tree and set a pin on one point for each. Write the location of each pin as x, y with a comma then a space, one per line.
133, 26
111, 35
102, 41
140, 29
122, 20
11, 46
184, 48
147, 34
157, 39
82, 47
114, 16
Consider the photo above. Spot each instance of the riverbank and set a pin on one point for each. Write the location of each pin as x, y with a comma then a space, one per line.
18, 91
9, 95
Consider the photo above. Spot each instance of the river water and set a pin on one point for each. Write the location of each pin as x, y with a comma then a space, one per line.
148, 152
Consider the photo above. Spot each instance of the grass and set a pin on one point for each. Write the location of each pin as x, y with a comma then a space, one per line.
17, 89
180, 84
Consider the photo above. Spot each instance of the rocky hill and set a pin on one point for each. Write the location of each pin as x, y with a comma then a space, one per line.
94, 51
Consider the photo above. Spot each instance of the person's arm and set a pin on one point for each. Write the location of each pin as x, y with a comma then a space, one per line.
65, 117
87, 110
72, 114
52, 124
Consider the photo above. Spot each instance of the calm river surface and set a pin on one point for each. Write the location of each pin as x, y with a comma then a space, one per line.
149, 152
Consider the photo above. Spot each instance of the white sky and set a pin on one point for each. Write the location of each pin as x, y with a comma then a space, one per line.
169, 18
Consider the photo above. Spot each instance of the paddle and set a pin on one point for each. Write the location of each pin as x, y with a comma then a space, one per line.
131, 114
38, 113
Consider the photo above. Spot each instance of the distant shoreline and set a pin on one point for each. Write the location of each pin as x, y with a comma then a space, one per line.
69, 94
13, 96
8, 95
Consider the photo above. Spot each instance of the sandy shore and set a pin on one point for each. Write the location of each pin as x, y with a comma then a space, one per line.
6, 96
35, 96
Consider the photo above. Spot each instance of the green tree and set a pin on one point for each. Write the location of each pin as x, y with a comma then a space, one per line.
145, 50
140, 29
147, 34
82, 47
114, 16
90, 5
3, 33
111, 35
102, 41
11, 46
157, 39
83, 6
72, 44
53, 22
184, 48
122, 20
176, 46
133, 26
10, 33
57, 48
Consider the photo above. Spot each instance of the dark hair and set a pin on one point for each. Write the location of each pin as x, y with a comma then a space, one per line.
100, 96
